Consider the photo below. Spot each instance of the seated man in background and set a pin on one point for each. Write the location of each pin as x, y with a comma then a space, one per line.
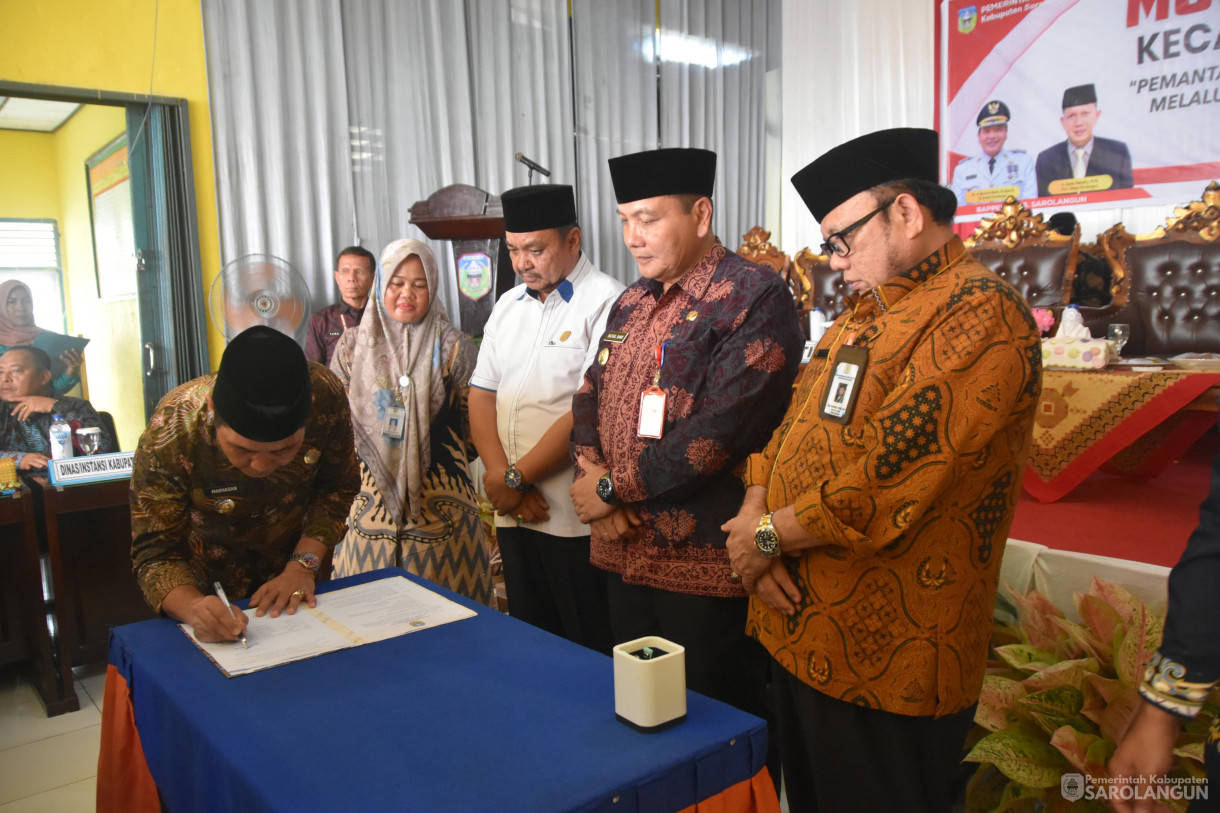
244, 478
27, 405
355, 269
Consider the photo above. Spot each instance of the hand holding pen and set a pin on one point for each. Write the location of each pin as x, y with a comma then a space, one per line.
220, 591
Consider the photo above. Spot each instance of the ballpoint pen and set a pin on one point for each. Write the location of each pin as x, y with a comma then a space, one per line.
220, 591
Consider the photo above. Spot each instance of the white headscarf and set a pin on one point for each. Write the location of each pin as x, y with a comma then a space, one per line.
393, 364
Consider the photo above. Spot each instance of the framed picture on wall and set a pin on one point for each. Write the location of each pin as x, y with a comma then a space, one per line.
114, 250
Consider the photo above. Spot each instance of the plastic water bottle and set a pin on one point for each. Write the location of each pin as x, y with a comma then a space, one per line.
61, 437
817, 325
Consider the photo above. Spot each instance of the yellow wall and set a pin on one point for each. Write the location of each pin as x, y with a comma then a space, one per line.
29, 186
109, 46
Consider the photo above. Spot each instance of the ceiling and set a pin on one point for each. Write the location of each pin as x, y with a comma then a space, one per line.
34, 114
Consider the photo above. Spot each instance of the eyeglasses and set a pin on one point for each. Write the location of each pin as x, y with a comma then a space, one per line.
837, 242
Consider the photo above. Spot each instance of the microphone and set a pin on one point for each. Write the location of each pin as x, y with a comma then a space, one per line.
533, 166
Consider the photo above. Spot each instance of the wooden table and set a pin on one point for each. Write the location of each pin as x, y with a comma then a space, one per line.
1130, 423
24, 634
86, 534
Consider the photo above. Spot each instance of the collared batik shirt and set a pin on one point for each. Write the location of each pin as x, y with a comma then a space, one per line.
913, 496
732, 348
195, 519
19, 437
326, 327
1187, 667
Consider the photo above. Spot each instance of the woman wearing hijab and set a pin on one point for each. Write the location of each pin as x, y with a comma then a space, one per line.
407, 373
17, 329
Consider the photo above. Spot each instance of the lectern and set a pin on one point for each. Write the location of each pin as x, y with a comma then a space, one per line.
474, 223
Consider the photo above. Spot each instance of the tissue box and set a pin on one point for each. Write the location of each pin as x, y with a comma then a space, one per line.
650, 683
1077, 354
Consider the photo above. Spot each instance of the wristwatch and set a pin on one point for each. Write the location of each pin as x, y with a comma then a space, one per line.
605, 489
513, 478
766, 539
307, 561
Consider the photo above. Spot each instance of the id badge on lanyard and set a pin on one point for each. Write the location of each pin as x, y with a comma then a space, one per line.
394, 422
846, 374
652, 402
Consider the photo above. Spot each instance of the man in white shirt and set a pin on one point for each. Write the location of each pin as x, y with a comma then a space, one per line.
538, 341
996, 171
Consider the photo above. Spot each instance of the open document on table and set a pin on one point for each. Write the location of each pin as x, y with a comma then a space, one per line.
343, 618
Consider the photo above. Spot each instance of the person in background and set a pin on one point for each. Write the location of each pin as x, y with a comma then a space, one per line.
995, 166
1082, 154
540, 338
1091, 282
875, 519
692, 375
17, 328
354, 269
407, 373
244, 478
1183, 672
28, 404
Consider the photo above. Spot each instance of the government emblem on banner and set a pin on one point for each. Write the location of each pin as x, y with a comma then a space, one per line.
967, 19
474, 275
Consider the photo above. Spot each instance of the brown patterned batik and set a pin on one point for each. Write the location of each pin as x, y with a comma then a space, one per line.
913, 497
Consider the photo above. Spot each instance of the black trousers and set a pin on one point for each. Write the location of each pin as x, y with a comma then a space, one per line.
839, 757
551, 585
722, 662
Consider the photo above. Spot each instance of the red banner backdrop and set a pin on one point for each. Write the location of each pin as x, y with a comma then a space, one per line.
1141, 84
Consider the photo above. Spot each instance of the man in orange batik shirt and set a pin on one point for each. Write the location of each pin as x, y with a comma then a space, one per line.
874, 521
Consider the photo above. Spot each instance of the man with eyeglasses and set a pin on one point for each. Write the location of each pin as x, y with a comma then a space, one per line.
875, 519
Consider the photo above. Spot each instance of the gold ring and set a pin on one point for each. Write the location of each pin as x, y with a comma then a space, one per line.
299, 593
605, 535
520, 519
734, 578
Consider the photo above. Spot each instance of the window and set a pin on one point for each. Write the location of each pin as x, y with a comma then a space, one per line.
29, 251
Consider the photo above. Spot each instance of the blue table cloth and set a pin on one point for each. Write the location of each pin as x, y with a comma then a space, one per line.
486, 713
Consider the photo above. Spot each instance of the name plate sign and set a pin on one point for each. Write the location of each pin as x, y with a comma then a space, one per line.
91, 469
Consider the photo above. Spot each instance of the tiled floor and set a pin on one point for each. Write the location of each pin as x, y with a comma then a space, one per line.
49, 763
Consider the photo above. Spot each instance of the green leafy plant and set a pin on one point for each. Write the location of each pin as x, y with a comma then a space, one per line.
1057, 697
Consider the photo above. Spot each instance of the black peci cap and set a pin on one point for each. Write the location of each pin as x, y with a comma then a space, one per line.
1081, 94
534, 208
862, 163
672, 171
263, 389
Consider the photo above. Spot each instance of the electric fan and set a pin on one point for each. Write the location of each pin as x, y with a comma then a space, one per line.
259, 289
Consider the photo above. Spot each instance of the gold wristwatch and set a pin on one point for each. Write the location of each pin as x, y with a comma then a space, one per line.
766, 539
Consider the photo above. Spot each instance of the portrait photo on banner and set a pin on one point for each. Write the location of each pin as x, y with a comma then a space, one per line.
1080, 104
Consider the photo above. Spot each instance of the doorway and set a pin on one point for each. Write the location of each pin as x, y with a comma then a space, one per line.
114, 176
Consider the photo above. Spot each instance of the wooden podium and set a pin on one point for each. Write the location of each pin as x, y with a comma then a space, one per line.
474, 222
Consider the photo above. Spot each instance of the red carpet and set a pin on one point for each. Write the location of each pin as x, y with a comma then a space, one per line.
1111, 516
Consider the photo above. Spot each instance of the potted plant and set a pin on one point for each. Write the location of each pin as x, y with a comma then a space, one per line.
1059, 695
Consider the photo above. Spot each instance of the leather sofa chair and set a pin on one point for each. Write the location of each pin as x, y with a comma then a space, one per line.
1025, 251
1168, 281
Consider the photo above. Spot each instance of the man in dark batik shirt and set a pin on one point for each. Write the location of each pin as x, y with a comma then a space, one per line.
245, 478
354, 271
1183, 672
28, 404
718, 339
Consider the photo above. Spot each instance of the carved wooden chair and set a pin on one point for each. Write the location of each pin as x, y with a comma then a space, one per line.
1037, 260
757, 248
1167, 282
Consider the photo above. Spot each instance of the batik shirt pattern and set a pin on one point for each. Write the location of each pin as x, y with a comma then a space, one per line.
732, 348
195, 519
913, 496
